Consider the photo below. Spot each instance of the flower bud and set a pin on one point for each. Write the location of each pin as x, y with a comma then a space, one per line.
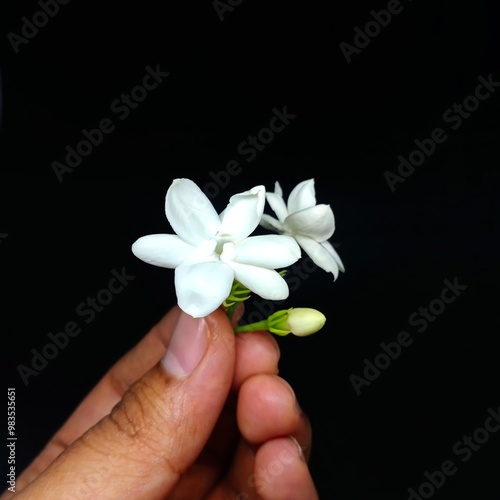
300, 321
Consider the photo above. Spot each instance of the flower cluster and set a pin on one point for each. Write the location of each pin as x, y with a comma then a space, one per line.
217, 261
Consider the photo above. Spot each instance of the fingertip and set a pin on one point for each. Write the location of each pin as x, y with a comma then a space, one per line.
267, 408
256, 353
282, 473
238, 314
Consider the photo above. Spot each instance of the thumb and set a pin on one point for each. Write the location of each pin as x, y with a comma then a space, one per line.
158, 429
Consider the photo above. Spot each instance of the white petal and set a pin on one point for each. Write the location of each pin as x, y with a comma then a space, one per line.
329, 248
190, 213
268, 222
164, 250
202, 287
303, 196
269, 251
277, 203
260, 192
264, 282
316, 222
319, 255
242, 215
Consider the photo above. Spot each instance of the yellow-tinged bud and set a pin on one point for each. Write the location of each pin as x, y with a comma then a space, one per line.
300, 321
303, 321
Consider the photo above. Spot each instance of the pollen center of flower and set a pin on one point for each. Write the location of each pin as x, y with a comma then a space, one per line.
288, 228
228, 252
207, 247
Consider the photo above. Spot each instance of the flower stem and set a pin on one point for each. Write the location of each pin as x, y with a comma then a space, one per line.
259, 325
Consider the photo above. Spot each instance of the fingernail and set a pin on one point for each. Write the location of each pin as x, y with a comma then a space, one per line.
300, 450
187, 346
290, 388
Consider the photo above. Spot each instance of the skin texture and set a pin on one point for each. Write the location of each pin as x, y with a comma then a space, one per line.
230, 429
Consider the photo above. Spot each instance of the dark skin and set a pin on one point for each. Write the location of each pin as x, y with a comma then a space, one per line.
231, 429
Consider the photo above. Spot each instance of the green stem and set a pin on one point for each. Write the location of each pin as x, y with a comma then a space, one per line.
259, 325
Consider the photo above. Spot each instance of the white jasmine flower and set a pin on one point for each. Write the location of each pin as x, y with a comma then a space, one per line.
210, 250
311, 225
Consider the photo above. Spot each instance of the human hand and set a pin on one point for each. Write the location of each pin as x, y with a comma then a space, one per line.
207, 418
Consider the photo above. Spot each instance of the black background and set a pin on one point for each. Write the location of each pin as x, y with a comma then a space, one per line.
352, 122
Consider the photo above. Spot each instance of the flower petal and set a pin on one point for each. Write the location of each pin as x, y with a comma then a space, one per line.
303, 196
268, 222
329, 248
264, 282
319, 255
190, 213
270, 251
316, 222
277, 203
242, 215
164, 250
202, 287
